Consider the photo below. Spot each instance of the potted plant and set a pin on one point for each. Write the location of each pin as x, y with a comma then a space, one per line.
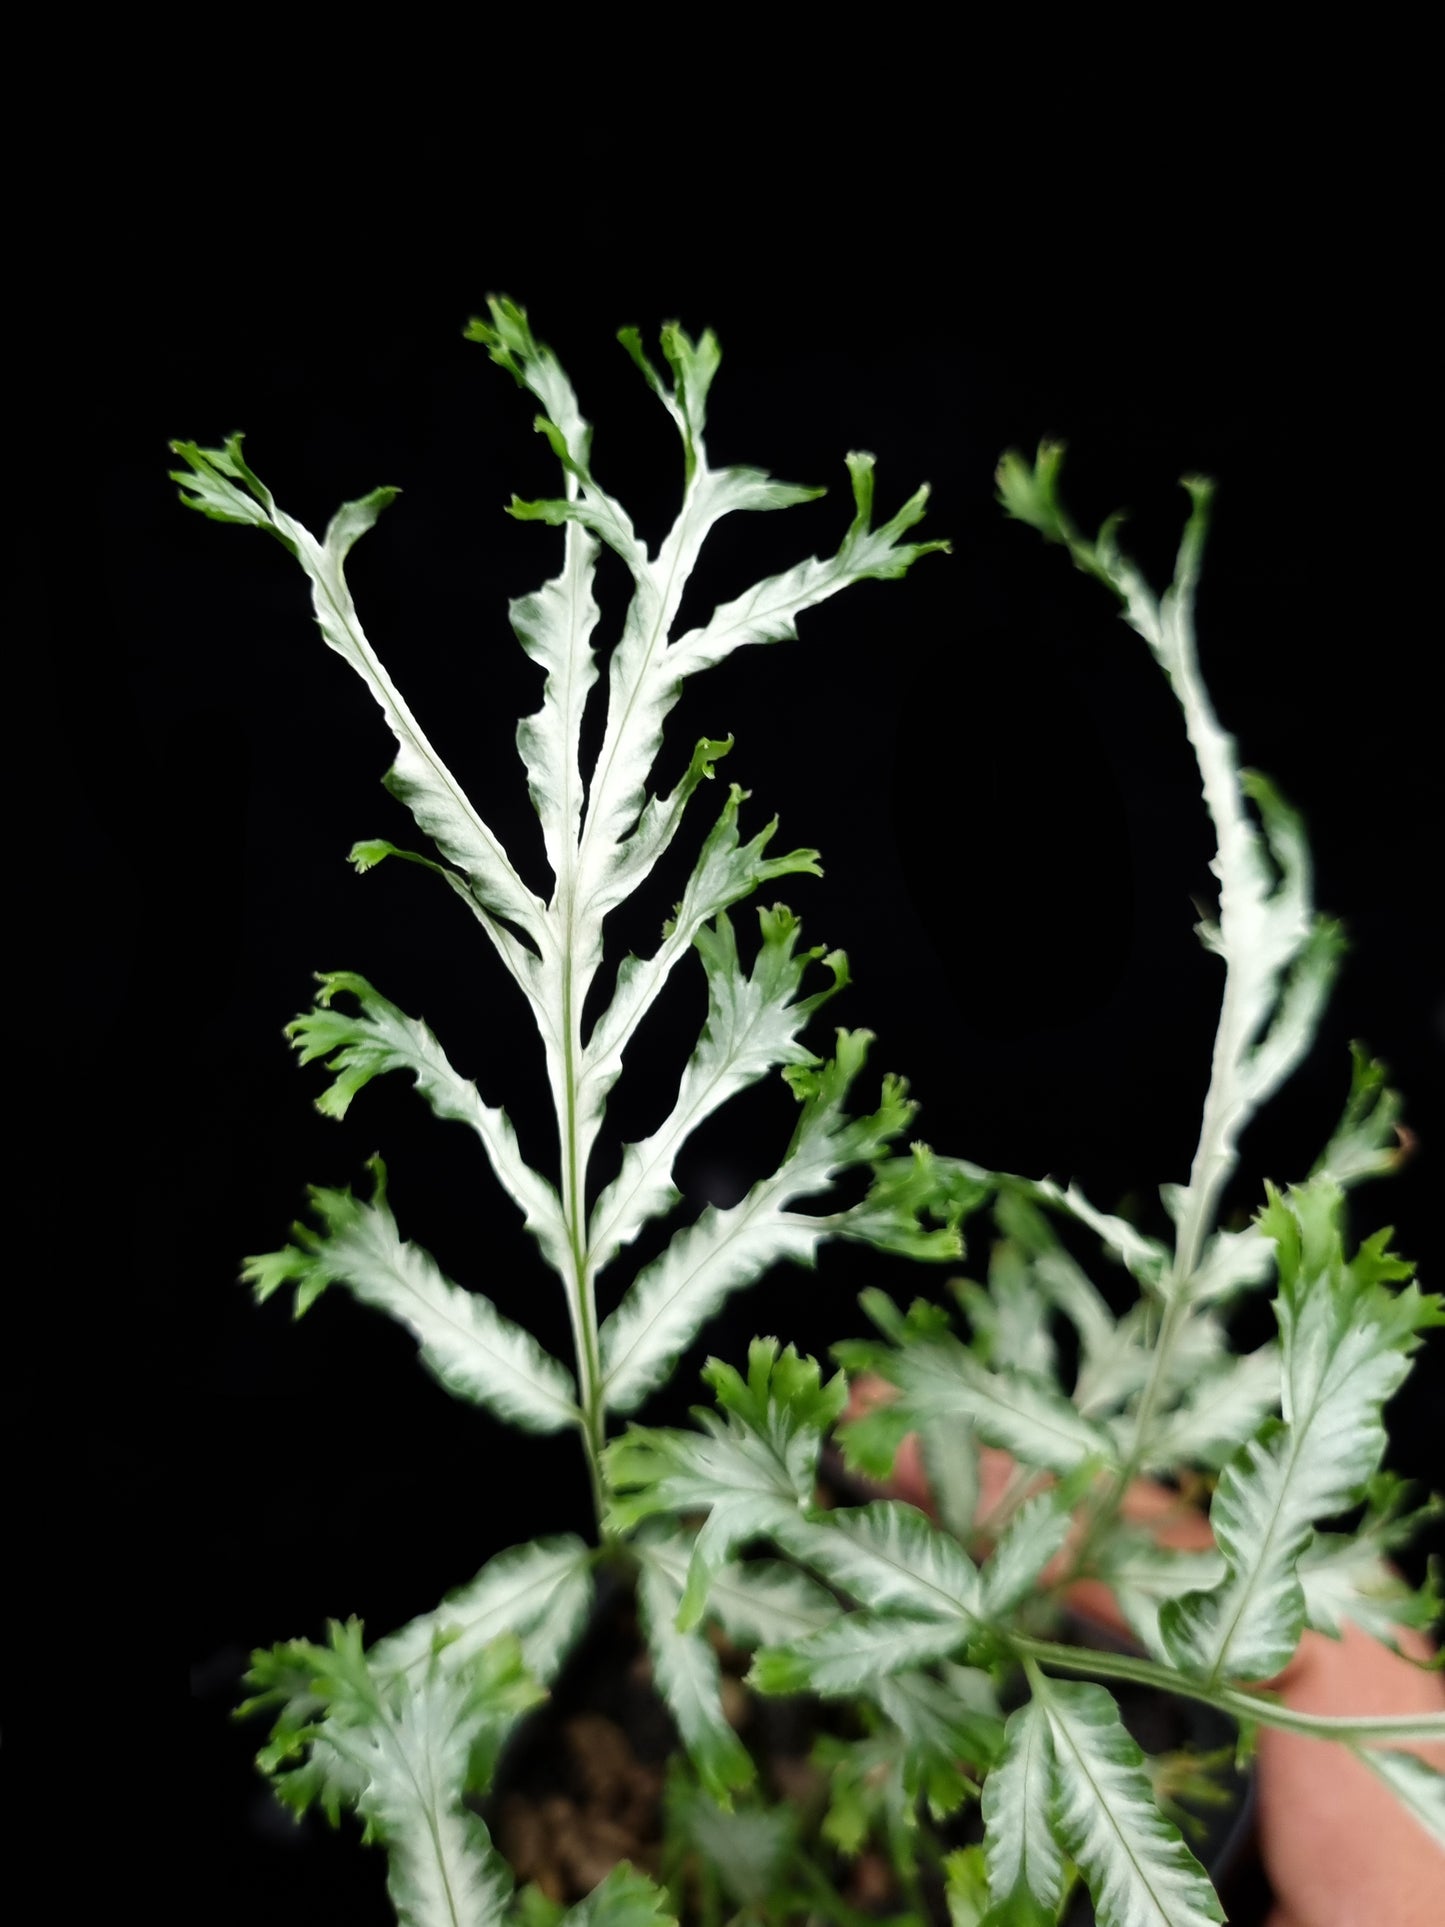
409, 1731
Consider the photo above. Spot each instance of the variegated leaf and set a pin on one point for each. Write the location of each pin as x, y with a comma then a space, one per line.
1346, 1341
855, 1653
750, 1474
1025, 1866
727, 1249
1031, 1539
223, 487
890, 1558
541, 1591
1104, 1815
752, 1027
1143, 1575
1226, 1402
760, 1602
1418, 1786
1025, 1416
382, 1038
686, 1672
465, 1341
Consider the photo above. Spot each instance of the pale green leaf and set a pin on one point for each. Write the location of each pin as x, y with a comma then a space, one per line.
966, 1887
1345, 1579
285, 1681
542, 1592
1346, 1575
1279, 957
1142, 1575
1233, 1262
1145, 1258
555, 627
1346, 1340
1225, 1403
442, 1870
769, 612
647, 668
943, 1735
864, 1786
1030, 1540
656, 828
694, 366
749, 1473
382, 1038
760, 1602
221, 485
1117, 1357
509, 340
686, 1673
890, 1558
1029, 492
746, 1847
950, 1458
1113, 1367
645, 673
465, 1341
1419, 1787
855, 1653
419, 777
1270, 1493
409, 1754
1025, 1416
752, 1027
1367, 1140
1010, 1319
1103, 1813
905, 1193
726, 870
1116, 1364
1055, 1272
1025, 1866
727, 1249
870, 1443
626, 1898
874, 1790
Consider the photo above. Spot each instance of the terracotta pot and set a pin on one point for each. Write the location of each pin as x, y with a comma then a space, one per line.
1338, 1849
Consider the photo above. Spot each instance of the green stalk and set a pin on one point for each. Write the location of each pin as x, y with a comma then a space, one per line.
1352, 1730
1211, 1167
581, 1299
835, 1909
1214, 1158
1175, 1316
581, 1302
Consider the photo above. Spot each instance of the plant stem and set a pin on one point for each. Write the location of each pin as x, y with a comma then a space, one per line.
573, 1154
835, 1908
581, 1299
1176, 1313
906, 1868
1239, 1704
1214, 1154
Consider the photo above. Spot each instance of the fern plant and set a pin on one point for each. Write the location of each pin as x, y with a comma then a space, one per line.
422, 1709
937, 1634
950, 1615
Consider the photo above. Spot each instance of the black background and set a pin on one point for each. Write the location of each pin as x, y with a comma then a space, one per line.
989, 762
